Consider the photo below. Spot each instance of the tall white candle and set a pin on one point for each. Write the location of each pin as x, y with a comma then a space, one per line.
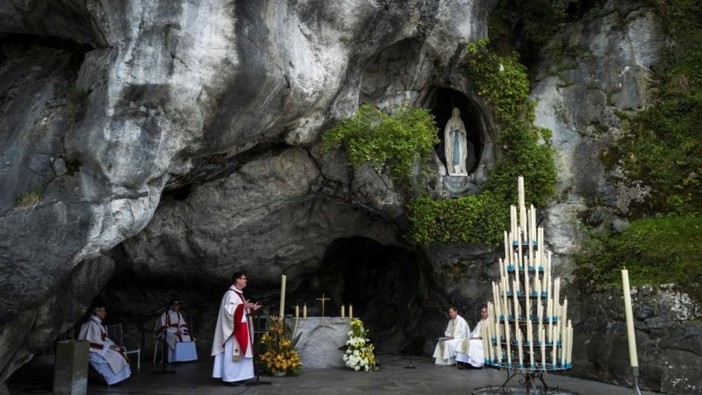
540, 247
532, 231
486, 343
556, 296
350, 311
630, 333
343, 311
508, 340
513, 223
519, 251
519, 347
551, 330
282, 296
569, 357
530, 339
507, 248
542, 343
297, 310
304, 310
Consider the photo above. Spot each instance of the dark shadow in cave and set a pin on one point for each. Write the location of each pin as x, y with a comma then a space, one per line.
441, 102
387, 285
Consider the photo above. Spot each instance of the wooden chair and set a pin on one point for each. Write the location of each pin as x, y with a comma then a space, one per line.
114, 332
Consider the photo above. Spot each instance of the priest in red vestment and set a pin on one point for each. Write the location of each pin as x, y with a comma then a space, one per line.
232, 345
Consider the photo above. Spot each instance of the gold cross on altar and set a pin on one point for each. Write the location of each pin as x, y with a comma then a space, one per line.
323, 300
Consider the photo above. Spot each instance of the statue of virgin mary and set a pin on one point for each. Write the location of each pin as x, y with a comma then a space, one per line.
455, 145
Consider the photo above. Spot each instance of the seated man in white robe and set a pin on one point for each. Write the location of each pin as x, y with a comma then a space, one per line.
105, 356
470, 351
181, 344
456, 330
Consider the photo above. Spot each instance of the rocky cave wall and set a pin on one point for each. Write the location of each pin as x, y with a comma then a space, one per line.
192, 102
173, 142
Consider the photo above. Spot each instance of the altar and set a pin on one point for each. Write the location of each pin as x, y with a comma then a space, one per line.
320, 340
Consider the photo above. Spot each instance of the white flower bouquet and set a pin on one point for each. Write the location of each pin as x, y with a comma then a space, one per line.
360, 352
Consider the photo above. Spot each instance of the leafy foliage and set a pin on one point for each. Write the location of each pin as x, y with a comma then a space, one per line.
470, 219
396, 141
503, 83
654, 250
663, 147
29, 198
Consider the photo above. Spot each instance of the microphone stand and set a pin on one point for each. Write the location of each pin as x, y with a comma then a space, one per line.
409, 365
254, 349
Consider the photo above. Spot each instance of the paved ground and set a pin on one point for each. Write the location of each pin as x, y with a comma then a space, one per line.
393, 378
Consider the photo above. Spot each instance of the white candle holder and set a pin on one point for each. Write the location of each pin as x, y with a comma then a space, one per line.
531, 334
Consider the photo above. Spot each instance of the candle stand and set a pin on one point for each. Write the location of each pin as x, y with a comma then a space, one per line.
527, 331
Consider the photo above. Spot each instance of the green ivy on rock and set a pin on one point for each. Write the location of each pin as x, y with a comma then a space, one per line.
396, 141
503, 83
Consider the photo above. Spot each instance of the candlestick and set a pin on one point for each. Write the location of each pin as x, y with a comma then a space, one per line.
509, 343
630, 334
519, 251
540, 247
484, 336
343, 312
530, 339
542, 342
507, 247
519, 347
282, 297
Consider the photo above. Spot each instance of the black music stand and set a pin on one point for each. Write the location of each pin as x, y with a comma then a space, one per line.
257, 329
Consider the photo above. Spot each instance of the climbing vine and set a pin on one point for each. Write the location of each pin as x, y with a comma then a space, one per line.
503, 83
661, 150
395, 141
655, 251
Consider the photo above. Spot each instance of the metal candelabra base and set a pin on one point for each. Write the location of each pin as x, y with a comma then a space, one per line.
528, 384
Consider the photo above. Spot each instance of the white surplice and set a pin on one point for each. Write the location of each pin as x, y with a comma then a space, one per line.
471, 350
111, 364
233, 351
445, 351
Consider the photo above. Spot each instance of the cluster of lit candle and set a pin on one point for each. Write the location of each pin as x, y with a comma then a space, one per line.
304, 311
525, 316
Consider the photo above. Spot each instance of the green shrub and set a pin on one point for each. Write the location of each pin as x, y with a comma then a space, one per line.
29, 198
655, 251
503, 83
397, 141
469, 219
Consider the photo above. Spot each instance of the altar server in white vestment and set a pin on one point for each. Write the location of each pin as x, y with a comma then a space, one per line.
232, 345
181, 344
456, 330
105, 356
470, 351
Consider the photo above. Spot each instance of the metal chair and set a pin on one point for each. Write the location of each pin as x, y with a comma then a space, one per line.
114, 332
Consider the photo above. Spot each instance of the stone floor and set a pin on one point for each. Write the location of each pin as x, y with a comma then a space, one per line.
393, 378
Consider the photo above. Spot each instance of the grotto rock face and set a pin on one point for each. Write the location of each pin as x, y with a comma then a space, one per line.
580, 105
215, 106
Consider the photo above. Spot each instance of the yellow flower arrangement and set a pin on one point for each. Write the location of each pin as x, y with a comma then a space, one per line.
279, 353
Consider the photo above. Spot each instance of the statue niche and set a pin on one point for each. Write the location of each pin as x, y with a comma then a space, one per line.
456, 145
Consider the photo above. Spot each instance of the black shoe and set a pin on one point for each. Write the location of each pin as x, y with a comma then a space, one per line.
460, 365
231, 383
